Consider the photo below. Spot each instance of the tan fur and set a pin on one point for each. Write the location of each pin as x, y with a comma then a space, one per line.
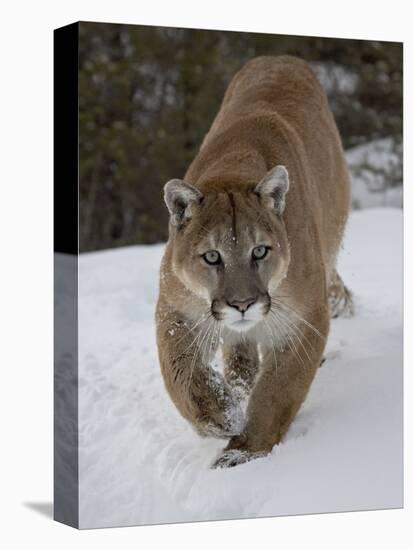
274, 114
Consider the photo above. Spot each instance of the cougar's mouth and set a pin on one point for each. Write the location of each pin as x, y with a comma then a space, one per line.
240, 321
243, 321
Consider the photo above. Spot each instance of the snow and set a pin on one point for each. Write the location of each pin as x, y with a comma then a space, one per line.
372, 167
141, 462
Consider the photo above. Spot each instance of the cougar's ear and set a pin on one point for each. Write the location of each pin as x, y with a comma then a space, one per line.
274, 187
179, 196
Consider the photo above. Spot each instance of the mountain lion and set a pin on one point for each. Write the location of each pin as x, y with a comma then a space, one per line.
249, 267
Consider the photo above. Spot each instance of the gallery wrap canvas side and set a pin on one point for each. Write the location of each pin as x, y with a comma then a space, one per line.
66, 152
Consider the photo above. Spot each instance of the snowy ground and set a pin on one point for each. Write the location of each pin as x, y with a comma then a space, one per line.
140, 462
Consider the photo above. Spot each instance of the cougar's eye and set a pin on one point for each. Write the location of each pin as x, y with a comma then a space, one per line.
259, 252
212, 257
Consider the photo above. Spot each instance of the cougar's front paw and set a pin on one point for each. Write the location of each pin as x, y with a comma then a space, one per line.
225, 423
239, 450
234, 457
220, 414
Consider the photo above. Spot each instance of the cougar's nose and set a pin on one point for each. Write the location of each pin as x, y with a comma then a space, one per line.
242, 305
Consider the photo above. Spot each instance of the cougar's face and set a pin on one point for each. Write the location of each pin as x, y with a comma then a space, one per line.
233, 253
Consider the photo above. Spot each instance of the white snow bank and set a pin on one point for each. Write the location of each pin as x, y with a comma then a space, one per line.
372, 166
140, 462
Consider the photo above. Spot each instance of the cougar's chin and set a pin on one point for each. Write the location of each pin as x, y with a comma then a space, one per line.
242, 322
243, 325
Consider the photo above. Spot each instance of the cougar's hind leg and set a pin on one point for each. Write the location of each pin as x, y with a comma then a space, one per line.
340, 298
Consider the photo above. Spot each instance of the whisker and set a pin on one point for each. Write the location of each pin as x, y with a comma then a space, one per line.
292, 347
192, 343
207, 342
212, 343
295, 328
204, 333
293, 311
205, 336
204, 346
203, 317
291, 343
272, 347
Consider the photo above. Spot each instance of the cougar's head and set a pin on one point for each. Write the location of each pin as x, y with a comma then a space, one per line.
231, 248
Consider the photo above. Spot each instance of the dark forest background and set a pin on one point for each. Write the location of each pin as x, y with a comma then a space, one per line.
147, 96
